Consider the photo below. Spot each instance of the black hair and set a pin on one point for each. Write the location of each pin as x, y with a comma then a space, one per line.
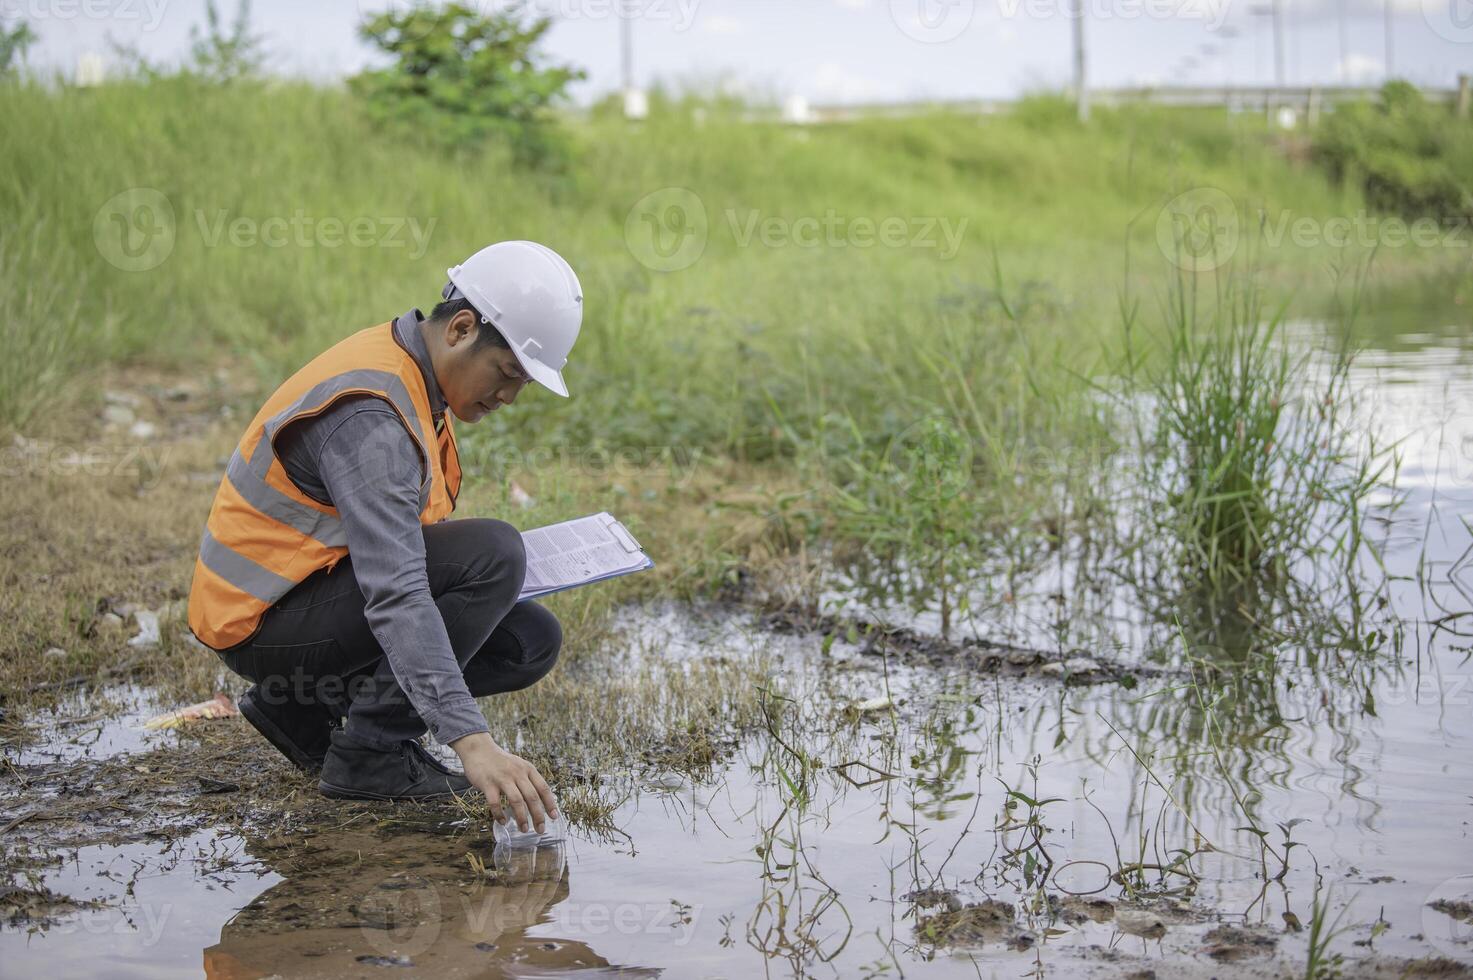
486, 334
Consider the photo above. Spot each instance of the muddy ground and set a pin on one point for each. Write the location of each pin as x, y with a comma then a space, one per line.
260, 876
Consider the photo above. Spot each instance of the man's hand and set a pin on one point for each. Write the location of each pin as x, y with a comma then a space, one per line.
501, 775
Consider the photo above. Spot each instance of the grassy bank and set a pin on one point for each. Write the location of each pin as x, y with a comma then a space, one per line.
793, 329
237, 254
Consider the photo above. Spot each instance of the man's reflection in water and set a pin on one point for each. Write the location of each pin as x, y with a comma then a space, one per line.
412, 901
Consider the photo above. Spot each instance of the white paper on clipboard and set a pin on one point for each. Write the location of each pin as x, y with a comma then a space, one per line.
577, 552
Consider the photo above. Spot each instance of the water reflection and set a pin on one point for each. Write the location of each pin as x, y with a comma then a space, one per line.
414, 899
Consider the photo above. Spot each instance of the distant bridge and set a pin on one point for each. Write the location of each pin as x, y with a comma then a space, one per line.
1304, 102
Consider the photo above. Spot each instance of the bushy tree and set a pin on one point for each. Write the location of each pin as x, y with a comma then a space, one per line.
13, 44
226, 56
215, 54
460, 76
1410, 156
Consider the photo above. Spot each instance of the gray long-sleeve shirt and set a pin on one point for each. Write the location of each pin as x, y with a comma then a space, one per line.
358, 457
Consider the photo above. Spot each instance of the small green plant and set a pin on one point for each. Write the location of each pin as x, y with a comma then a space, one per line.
911, 506
460, 76
1320, 963
1030, 857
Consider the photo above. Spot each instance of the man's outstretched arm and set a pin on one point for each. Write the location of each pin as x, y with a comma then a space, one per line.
371, 470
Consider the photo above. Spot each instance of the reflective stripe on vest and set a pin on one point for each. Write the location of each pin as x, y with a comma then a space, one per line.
264, 536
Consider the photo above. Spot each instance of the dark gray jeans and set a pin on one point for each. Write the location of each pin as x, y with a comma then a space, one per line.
315, 650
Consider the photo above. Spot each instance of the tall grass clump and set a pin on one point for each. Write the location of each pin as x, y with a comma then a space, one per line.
41, 325
976, 455
1255, 475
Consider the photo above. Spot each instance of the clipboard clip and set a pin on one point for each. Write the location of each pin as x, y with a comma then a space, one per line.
622, 535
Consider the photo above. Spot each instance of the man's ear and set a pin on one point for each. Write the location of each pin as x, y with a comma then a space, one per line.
461, 328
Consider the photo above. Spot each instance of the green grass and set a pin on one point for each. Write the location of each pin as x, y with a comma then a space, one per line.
693, 356
823, 358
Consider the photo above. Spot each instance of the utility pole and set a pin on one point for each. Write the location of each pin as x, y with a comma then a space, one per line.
626, 45
1279, 43
1390, 32
1081, 80
1344, 47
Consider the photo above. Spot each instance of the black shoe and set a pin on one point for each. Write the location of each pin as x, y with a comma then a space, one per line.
300, 732
356, 771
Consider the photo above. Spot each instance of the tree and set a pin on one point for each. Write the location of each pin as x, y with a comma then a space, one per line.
13, 44
224, 57
214, 54
463, 76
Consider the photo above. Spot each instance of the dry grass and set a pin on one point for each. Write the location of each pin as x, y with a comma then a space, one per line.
83, 539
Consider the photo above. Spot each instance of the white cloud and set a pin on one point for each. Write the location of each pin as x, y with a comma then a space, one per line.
1356, 67
832, 82
722, 24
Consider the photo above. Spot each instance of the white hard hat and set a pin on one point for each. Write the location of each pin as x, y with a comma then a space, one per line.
530, 294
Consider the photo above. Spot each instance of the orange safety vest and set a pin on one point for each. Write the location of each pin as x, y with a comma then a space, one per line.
264, 535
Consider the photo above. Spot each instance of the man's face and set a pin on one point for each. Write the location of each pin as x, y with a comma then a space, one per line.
476, 380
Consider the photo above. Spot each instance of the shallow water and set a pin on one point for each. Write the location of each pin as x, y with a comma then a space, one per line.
1366, 763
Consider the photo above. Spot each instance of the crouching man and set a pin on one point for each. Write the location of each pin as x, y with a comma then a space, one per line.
330, 576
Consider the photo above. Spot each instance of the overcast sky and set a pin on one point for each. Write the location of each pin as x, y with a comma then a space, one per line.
849, 50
